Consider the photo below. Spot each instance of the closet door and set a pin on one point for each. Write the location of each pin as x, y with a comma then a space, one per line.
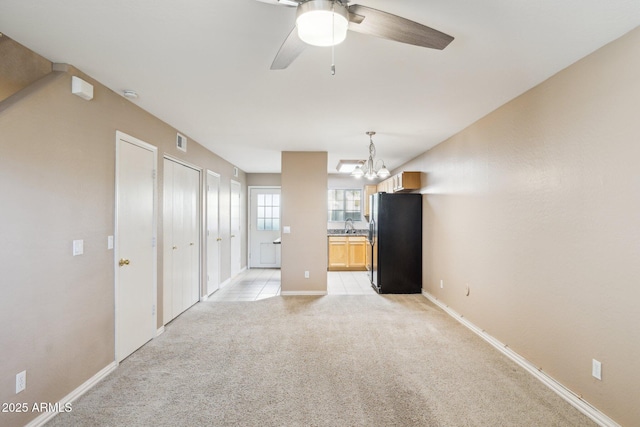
236, 232
191, 217
179, 244
213, 238
181, 238
168, 245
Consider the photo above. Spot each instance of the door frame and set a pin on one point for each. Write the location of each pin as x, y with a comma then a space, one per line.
121, 136
249, 198
201, 220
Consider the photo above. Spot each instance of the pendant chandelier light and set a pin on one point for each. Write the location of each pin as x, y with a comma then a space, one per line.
368, 169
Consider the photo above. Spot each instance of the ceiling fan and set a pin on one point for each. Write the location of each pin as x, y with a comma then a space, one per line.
325, 23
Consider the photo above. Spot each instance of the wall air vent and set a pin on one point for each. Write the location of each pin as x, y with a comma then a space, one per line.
181, 143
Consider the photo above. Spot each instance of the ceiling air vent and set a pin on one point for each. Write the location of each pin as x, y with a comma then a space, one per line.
181, 143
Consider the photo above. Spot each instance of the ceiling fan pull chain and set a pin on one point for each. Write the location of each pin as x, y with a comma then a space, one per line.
333, 64
333, 39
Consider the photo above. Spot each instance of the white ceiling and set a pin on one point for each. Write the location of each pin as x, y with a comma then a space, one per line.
203, 67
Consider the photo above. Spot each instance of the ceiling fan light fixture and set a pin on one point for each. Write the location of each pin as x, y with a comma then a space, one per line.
322, 22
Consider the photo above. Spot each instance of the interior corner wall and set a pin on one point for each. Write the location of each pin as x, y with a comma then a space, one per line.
537, 208
304, 210
57, 184
14, 75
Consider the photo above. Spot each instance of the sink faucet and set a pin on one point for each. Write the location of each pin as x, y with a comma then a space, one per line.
348, 224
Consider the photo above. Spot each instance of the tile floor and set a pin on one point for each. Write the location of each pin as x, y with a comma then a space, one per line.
257, 284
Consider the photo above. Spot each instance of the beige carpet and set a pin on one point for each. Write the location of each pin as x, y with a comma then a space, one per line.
393, 360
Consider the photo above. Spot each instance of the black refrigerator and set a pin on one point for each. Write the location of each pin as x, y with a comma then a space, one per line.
395, 238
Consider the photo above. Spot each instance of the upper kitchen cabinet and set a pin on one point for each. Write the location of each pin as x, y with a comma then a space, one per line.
368, 191
400, 182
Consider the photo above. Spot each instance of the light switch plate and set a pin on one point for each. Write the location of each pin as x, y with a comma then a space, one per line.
21, 381
596, 369
286, 229
109, 242
78, 247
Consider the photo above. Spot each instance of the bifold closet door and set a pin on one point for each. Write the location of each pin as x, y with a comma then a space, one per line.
191, 237
181, 281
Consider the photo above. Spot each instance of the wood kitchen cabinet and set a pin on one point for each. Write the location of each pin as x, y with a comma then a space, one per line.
338, 252
400, 182
347, 253
368, 255
406, 181
357, 253
368, 191
386, 186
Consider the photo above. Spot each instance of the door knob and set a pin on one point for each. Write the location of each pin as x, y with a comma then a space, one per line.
175, 247
123, 262
191, 244
219, 239
233, 235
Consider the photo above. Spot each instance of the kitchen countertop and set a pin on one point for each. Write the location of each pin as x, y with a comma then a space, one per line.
341, 232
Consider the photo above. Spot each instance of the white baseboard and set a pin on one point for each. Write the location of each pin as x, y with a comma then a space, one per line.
225, 283
45, 417
575, 400
160, 331
303, 293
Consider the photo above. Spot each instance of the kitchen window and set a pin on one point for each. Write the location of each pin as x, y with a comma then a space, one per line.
345, 203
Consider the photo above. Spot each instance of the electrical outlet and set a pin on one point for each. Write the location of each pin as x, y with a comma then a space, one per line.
306, 274
21, 381
596, 369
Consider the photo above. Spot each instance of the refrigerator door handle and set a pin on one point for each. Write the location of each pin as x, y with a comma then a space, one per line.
371, 233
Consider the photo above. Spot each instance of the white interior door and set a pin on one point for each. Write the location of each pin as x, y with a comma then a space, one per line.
168, 278
135, 244
213, 232
192, 236
181, 238
264, 227
236, 248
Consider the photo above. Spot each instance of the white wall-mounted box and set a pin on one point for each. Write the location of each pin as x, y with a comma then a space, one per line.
81, 88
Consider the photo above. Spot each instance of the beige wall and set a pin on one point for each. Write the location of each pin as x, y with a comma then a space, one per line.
19, 67
304, 209
264, 179
57, 175
537, 208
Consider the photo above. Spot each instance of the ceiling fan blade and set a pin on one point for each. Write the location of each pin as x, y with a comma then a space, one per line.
291, 3
289, 51
392, 27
